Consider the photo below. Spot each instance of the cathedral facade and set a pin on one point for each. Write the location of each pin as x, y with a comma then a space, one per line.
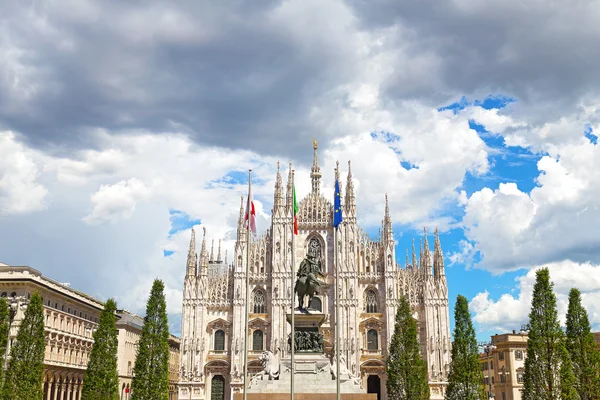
371, 283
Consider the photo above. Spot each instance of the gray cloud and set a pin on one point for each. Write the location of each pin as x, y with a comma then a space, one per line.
229, 76
253, 74
536, 51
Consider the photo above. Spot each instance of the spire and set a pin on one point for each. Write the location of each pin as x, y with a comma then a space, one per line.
278, 200
225, 256
438, 256
212, 251
203, 249
350, 203
421, 258
203, 254
427, 253
414, 255
240, 228
315, 172
192, 257
407, 258
289, 202
388, 234
219, 252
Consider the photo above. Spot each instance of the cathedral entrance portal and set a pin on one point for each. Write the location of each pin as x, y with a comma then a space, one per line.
374, 385
217, 388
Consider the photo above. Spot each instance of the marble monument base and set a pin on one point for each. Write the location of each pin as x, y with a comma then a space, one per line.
306, 396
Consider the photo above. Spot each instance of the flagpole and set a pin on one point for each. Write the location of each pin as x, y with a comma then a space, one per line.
248, 216
293, 333
337, 303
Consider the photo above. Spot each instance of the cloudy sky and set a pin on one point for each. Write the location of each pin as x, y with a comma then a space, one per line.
122, 124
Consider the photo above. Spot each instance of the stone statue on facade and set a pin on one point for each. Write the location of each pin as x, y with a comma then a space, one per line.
307, 282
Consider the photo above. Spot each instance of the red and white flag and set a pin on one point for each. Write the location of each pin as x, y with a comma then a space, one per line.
250, 212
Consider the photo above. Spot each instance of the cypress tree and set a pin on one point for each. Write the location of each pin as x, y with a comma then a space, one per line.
26, 365
544, 378
406, 370
4, 327
466, 379
101, 380
151, 370
582, 349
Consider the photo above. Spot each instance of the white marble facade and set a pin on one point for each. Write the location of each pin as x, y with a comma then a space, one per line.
371, 283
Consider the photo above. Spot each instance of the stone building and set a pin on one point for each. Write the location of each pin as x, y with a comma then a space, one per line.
505, 365
129, 327
71, 318
371, 283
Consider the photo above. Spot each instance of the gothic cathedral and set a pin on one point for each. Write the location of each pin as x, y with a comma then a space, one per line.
371, 283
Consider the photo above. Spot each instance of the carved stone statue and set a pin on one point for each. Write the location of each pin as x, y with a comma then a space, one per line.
307, 284
270, 365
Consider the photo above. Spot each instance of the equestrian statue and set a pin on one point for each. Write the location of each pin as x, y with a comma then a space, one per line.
307, 283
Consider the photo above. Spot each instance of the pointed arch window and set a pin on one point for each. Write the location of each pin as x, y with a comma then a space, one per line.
259, 302
371, 301
257, 340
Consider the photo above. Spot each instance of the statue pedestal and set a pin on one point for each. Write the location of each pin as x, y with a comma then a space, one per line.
306, 331
314, 376
306, 320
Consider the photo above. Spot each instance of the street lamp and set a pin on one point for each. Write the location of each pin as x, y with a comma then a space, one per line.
503, 369
488, 348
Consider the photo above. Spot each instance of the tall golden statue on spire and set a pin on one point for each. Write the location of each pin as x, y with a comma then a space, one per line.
314, 143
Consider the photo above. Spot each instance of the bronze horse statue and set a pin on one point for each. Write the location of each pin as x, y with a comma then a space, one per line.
307, 283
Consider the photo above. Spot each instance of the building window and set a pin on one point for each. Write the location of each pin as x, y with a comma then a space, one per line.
257, 340
501, 355
4, 294
259, 302
371, 301
316, 304
219, 340
372, 340
519, 355
502, 378
13, 294
520, 376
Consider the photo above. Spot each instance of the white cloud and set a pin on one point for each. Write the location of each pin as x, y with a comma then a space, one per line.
557, 220
20, 192
115, 202
511, 311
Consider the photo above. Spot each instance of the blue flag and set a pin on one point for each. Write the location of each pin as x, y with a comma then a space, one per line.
337, 206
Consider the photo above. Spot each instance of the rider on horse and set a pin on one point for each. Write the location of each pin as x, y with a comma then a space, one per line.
307, 283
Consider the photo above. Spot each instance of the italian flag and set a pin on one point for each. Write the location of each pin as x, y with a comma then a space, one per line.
295, 213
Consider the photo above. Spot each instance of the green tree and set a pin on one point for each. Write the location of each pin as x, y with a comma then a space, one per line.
101, 379
151, 370
26, 365
466, 379
406, 370
582, 349
4, 328
544, 378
